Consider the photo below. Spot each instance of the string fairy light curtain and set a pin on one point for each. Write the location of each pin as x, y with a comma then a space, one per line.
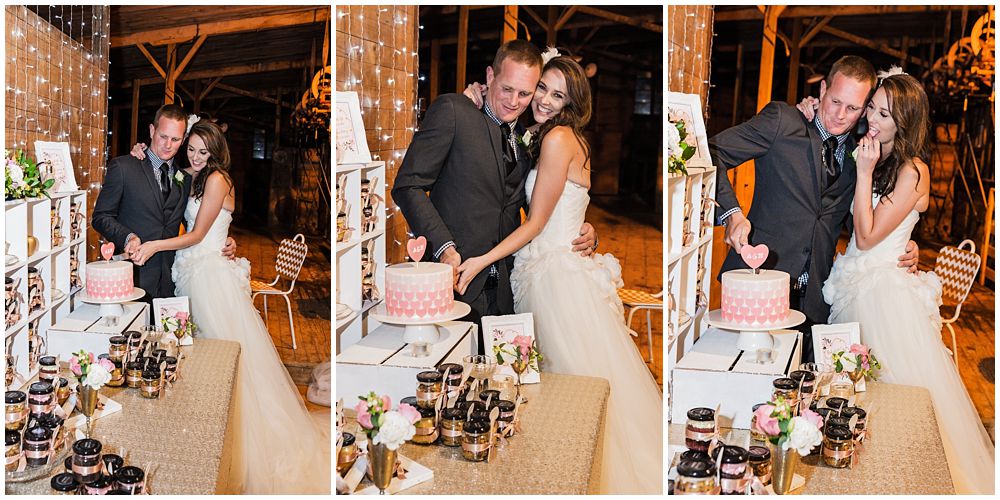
689, 49
377, 58
57, 86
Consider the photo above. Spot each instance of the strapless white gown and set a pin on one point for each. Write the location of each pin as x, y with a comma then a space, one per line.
280, 449
900, 320
580, 328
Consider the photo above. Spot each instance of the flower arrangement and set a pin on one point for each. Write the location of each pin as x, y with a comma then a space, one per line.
858, 358
382, 424
777, 420
679, 150
522, 348
23, 178
180, 321
89, 371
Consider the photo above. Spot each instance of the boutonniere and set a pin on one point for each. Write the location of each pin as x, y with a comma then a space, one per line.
854, 154
179, 179
525, 140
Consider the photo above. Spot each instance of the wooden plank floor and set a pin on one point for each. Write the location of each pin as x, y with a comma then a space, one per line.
636, 239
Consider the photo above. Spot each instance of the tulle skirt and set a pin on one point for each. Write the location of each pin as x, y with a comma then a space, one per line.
580, 330
900, 321
282, 449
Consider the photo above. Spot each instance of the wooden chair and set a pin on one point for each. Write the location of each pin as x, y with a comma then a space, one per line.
636, 300
291, 255
957, 269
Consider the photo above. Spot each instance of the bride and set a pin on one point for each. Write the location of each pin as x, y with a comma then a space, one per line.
898, 312
577, 312
281, 450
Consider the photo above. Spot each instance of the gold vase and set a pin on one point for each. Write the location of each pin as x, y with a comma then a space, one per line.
87, 403
783, 464
382, 461
32, 245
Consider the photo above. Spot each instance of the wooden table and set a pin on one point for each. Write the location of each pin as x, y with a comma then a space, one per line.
904, 454
186, 434
557, 452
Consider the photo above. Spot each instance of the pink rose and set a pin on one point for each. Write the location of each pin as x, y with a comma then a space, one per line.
107, 365
386, 403
813, 417
74, 366
361, 407
859, 349
92, 357
365, 420
523, 342
409, 412
182, 315
765, 423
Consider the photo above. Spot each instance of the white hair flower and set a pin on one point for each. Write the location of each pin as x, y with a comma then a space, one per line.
893, 70
549, 54
192, 119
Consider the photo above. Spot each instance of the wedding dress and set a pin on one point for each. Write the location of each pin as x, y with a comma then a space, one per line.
580, 330
900, 321
281, 450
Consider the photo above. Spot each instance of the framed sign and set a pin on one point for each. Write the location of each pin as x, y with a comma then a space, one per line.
830, 339
352, 144
167, 309
687, 108
60, 165
502, 335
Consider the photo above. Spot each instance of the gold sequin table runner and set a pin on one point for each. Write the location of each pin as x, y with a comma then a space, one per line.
186, 434
903, 456
557, 452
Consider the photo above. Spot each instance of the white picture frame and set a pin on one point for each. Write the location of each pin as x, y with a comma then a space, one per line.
167, 307
687, 108
830, 339
352, 143
60, 164
498, 330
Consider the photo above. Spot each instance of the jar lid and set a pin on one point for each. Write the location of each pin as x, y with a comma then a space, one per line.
701, 414
835, 403
65, 481
134, 365
464, 405
785, 384
170, 360
12, 437
159, 352
14, 397
731, 454
118, 339
452, 414
838, 420
68, 463
129, 474
50, 420
425, 412
63, 383
485, 394
38, 434
40, 388
696, 468
47, 360
348, 439
409, 400
133, 334
9, 280
32, 269
824, 412
758, 453
87, 447
429, 377
758, 405
696, 455
476, 427
840, 432
850, 411
104, 356
151, 373
504, 405
480, 416
113, 461
102, 481
806, 375
453, 369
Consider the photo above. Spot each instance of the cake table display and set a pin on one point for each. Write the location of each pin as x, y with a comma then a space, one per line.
418, 295
109, 284
754, 302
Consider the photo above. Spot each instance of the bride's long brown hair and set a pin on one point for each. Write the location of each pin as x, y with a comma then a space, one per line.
218, 159
909, 108
576, 112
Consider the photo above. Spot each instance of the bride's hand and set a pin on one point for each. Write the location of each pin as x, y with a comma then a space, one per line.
475, 92
468, 271
138, 151
868, 154
145, 252
808, 107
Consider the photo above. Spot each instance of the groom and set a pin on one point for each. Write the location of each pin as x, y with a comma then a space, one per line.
474, 165
144, 200
805, 177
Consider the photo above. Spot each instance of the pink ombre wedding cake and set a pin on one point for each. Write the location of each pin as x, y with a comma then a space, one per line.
419, 290
755, 300
109, 280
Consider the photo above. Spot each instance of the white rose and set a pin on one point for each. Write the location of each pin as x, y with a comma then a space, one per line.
803, 437
673, 140
97, 376
394, 431
526, 138
16, 174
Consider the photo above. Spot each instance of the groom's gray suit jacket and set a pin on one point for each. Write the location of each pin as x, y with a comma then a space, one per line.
792, 211
457, 156
131, 202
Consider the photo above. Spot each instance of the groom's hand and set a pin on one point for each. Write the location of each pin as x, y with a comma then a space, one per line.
132, 245
451, 257
910, 258
586, 244
229, 251
737, 230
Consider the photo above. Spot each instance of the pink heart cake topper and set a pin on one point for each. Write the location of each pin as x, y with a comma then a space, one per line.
754, 256
107, 251
415, 248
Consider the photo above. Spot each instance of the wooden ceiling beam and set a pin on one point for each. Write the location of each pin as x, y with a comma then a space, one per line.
814, 30
152, 60
181, 34
534, 15
619, 18
564, 18
208, 88
241, 69
754, 14
190, 54
881, 47
254, 95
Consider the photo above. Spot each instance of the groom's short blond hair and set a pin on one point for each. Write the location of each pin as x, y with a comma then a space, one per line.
519, 51
855, 68
171, 111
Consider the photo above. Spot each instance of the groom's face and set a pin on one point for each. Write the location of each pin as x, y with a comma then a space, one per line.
509, 91
166, 137
841, 103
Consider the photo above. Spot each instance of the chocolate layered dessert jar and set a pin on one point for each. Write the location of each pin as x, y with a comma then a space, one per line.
41, 395
64, 484
700, 428
48, 369
37, 444
735, 473
130, 480
87, 463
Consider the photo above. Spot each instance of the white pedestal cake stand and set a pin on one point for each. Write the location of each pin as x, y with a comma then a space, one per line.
112, 309
420, 333
753, 338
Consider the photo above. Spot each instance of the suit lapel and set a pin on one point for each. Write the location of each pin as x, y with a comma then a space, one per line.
154, 184
818, 176
496, 139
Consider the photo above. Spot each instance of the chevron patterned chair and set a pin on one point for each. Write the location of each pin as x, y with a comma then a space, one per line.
636, 300
957, 269
291, 255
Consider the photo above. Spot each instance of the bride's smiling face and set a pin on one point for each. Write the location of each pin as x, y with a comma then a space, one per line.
881, 126
550, 96
197, 152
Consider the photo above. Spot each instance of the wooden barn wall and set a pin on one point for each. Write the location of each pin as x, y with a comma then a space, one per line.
57, 90
377, 58
689, 31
